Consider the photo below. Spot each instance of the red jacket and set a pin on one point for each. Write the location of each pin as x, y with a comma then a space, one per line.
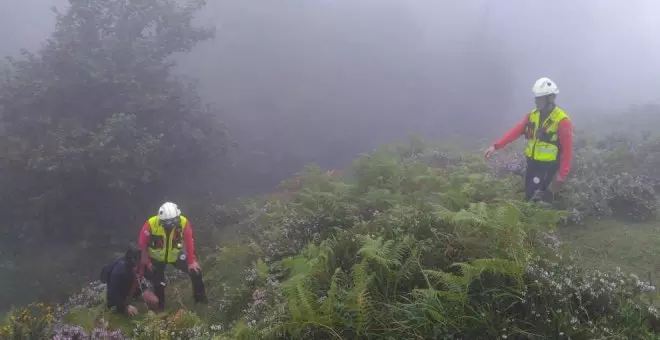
564, 132
187, 240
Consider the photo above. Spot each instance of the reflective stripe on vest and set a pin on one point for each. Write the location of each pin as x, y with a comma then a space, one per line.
543, 144
169, 252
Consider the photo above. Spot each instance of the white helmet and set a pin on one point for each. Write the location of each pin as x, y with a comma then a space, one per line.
168, 211
544, 86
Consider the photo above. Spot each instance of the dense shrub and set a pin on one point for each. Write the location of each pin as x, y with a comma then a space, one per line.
98, 113
31, 322
617, 175
428, 252
612, 175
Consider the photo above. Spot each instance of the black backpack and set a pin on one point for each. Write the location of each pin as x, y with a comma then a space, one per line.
132, 256
107, 270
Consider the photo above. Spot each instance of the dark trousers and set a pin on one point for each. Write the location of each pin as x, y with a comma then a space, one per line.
157, 278
538, 177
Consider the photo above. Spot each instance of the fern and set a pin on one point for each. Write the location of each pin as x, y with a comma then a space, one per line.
385, 253
466, 218
336, 294
496, 266
360, 299
404, 251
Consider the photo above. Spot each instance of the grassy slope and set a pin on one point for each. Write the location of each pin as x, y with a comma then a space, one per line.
178, 296
608, 244
605, 245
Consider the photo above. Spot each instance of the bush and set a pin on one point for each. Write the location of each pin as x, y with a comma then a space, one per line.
31, 322
426, 252
612, 175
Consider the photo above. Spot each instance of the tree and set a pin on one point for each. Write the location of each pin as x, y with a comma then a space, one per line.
96, 125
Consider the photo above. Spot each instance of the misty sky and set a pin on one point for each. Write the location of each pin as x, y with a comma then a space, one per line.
600, 52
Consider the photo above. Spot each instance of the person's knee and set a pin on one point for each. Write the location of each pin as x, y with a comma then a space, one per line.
158, 275
150, 299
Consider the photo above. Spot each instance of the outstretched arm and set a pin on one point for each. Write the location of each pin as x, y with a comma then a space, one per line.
512, 134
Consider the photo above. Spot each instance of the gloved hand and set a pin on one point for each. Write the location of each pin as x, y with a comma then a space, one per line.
489, 152
194, 267
131, 310
558, 183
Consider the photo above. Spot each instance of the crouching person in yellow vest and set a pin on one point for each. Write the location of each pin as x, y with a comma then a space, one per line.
549, 133
168, 238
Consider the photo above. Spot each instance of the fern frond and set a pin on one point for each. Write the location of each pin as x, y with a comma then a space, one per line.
501, 267
335, 293
362, 305
384, 253
452, 283
305, 300
468, 218
506, 215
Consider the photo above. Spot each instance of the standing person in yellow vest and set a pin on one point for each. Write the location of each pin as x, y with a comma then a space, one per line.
549, 133
168, 238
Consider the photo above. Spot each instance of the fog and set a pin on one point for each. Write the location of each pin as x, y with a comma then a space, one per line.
601, 53
321, 81
388, 63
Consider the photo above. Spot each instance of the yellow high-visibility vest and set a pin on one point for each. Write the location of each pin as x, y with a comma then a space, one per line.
542, 140
162, 246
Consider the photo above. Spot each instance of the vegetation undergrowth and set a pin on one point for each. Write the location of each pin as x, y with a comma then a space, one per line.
409, 242
609, 243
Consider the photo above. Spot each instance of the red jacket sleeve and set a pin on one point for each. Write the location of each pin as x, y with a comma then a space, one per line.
143, 242
189, 242
512, 134
565, 132
143, 239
